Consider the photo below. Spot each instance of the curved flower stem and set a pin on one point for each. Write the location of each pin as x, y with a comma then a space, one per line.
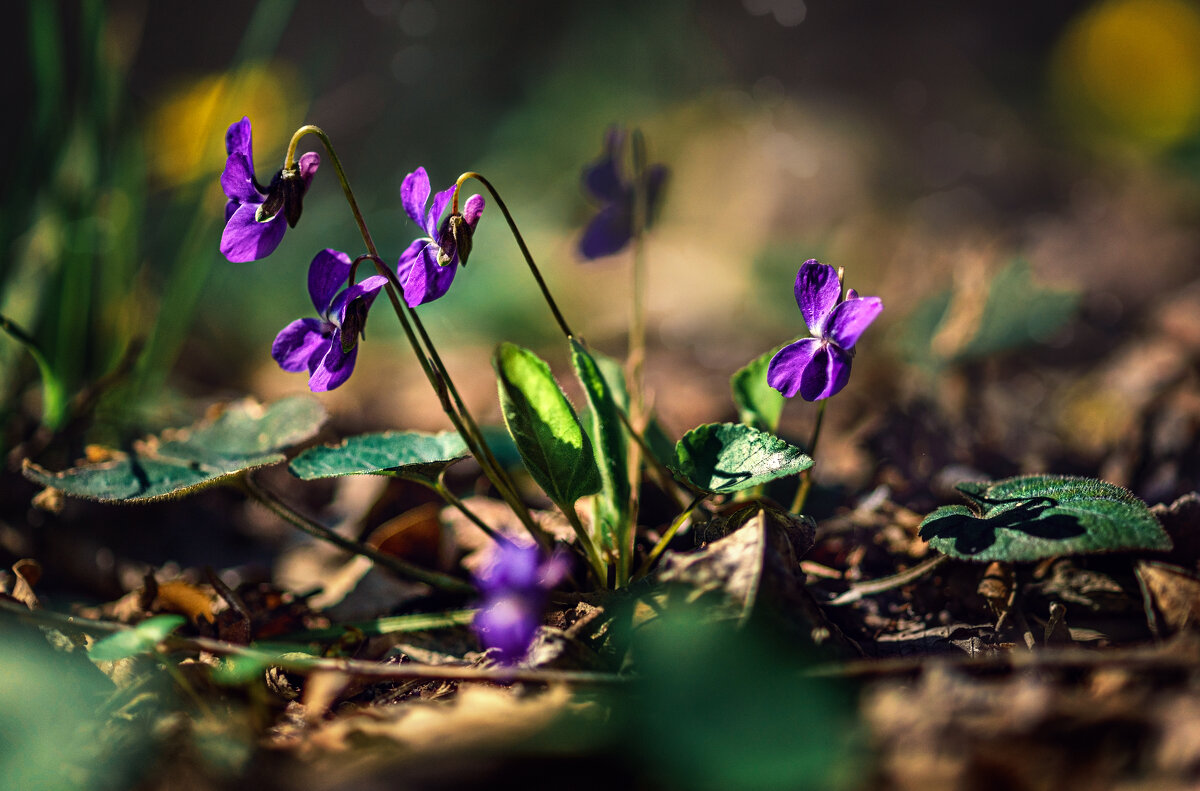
669, 534
636, 359
394, 564
806, 477
537, 275
438, 379
449, 496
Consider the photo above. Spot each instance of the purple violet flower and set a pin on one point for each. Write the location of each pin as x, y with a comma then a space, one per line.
255, 216
819, 367
515, 586
612, 228
328, 346
425, 278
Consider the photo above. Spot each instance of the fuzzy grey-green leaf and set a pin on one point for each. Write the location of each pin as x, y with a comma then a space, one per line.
244, 436
138, 640
544, 427
721, 458
1034, 517
412, 454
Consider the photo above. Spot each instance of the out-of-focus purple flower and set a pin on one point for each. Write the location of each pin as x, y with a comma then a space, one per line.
819, 367
257, 216
605, 181
327, 347
515, 587
427, 268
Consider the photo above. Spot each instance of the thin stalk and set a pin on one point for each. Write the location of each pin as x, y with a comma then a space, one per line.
453, 500
599, 567
395, 624
516, 232
883, 584
400, 567
806, 477
440, 380
670, 534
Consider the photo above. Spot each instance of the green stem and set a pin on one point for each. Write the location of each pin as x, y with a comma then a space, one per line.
806, 477
516, 232
599, 567
396, 624
670, 534
439, 380
449, 496
54, 397
400, 567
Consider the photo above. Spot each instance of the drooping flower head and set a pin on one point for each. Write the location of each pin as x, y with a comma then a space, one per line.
256, 216
819, 367
515, 587
606, 182
327, 346
427, 268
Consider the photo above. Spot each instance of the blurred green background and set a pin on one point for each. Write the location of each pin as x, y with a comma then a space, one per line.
922, 146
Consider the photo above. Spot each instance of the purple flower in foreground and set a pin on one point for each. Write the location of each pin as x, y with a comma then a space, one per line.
255, 216
515, 587
612, 228
326, 347
819, 367
427, 268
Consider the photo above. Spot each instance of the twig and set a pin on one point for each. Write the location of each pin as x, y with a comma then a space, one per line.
872, 587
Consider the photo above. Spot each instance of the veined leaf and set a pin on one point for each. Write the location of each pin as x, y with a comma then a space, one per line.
410, 454
246, 435
552, 443
1035, 517
721, 458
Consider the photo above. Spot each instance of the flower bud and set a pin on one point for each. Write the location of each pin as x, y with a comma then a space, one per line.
455, 237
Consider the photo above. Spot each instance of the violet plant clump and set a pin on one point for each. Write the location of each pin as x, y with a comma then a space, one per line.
819, 367
327, 346
515, 587
606, 182
256, 217
427, 267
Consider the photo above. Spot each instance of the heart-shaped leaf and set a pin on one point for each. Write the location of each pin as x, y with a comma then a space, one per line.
759, 405
245, 435
552, 443
721, 458
1035, 517
409, 454
608, 441
138, 640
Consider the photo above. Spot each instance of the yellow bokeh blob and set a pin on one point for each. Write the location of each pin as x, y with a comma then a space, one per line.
186, 133
1129, 70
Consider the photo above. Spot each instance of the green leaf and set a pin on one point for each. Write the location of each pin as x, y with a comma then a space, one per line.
1042, 516
662, 446
138, 640
759, 405
246, 435
721, 458
410, 454
614, 375
552, 443
608, 438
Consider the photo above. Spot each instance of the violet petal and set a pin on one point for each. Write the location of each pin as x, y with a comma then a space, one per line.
246, 239
237, 180
850, 318
308, 167
817, 291
826, 374
508, 623
414, 193
237, 140
440, 201
473, 210
328, 271
607, 233
786, 369
334, 368
298, 342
